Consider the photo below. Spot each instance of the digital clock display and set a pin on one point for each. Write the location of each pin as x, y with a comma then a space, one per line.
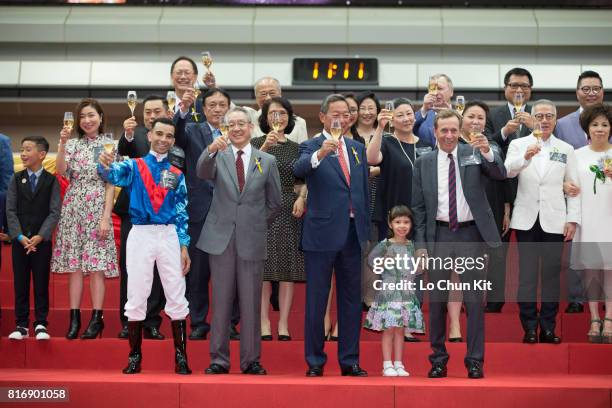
335, 71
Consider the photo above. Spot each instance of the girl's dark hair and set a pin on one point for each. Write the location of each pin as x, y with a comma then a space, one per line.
399, 211
263, 118
79, 108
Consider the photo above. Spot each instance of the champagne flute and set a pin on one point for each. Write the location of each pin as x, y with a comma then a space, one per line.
276, 121
68, 120
171, 99
132, 101
197, 92
432, 86
109, 143
224, 128
390, 107
336, 132
207, 60
537, 132
517, 101
460, 104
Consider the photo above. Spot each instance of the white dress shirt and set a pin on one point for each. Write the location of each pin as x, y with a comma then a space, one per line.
463, 209
541, 159
158, 156
246, 157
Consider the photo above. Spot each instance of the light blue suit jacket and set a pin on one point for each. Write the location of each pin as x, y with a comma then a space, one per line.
568, 129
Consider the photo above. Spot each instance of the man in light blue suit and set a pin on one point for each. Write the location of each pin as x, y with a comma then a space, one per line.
589, 91
335, 230
432, 103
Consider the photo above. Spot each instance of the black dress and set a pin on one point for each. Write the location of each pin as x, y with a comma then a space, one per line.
395, 180
285, 261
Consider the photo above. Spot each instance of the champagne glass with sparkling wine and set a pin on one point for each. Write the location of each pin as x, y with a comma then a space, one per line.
336, 132
132, 101
69, 120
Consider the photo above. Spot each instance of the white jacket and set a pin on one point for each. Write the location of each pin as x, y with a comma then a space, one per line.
543, 193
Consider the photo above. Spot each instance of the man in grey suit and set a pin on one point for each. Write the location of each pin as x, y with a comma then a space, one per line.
246, 198
589, 91
452, 218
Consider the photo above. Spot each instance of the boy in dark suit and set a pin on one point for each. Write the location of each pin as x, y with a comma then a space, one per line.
32, 210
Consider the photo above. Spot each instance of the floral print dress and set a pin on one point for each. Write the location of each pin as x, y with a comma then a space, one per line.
77, 246
394, 308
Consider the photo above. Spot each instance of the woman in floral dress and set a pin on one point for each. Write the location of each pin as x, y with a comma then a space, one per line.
85, 244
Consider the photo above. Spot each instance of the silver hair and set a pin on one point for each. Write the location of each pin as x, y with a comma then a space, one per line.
329, 99
238, 109
544, 102
266, 78
446, 77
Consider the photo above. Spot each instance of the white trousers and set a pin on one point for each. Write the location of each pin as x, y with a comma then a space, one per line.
147, 245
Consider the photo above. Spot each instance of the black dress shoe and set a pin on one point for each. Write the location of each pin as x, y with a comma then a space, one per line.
437, 371
234, 334
152, 333
353, 371
455, 339
530, 337
266, 337
574, 307
216, 369
123, 334
315, 371
474, 369
284, 337
198, 333
255, 369
411, 339
548, 336
494, 307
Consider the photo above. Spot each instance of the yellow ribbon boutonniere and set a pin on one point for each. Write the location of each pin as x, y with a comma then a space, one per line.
355, 154
258, 163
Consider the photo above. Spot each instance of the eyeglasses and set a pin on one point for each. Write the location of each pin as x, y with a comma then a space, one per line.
183, 73
591, 89
264, 94
343, 116
514, 86
541, 116
239, 124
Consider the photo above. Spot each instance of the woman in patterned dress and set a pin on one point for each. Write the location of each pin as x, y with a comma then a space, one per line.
85, 244
285, 263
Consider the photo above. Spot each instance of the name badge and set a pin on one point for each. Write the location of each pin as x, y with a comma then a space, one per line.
558, 157
168, 180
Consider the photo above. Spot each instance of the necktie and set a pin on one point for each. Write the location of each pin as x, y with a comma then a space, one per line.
342, 161
452, 195
33, 181
216, 133
240, 170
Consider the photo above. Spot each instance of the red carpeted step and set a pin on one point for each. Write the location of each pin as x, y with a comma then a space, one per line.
288, 357
102, 389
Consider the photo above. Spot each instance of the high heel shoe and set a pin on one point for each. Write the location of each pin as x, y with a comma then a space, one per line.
606, 335
595, 335
75, 324
95, 326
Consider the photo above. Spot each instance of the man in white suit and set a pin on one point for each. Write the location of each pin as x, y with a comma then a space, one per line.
589, 91
542, 218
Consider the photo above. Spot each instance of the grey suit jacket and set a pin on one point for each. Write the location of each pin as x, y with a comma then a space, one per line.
248, 213
473, 181
568, 129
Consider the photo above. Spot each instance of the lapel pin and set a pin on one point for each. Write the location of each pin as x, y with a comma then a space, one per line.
23, 181
258, 164
355, 154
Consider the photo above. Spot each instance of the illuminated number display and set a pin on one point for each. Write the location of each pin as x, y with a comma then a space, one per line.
335, 71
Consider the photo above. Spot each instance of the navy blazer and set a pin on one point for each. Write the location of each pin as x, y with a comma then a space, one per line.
424, 127
194, 138
326, 223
